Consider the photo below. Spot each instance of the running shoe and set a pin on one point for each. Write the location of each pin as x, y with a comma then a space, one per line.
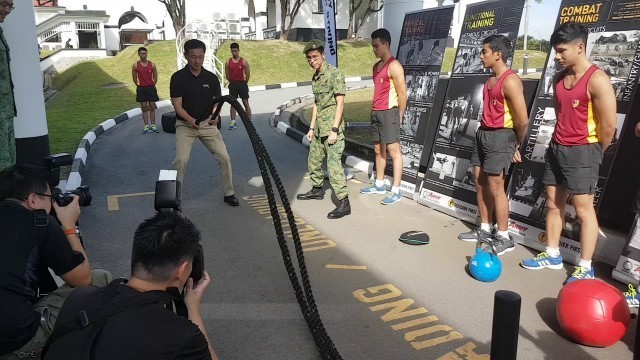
373, 189
541, 261
146, 129
391, 198
153, 129
232, 125
581, 274
632, 297
474, 234
502, 244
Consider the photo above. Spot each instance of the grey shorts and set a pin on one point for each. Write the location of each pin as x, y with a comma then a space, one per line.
493, 150
575, 168
240, 89
385, 126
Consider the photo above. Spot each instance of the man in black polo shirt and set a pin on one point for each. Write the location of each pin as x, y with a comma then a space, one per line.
26, 251
192, 88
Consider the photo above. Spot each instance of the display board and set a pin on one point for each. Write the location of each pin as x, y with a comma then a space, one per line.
612, 45
448, 183
420, 51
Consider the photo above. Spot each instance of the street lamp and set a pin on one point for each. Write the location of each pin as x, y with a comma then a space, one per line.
540, 39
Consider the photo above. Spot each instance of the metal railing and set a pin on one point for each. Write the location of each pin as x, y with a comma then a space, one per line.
250, 35
205, 33
269, 33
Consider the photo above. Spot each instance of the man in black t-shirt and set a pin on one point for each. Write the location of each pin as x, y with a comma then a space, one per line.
26, 253
164, 247
192, 90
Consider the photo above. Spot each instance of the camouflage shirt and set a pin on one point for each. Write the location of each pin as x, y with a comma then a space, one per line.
7, 101
326, 85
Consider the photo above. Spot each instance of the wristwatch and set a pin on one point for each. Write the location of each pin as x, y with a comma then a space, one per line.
334, 129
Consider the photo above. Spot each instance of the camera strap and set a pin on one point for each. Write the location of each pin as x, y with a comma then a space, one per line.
46, 283
93, 321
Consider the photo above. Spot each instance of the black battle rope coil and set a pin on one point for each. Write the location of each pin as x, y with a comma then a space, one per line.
304, 294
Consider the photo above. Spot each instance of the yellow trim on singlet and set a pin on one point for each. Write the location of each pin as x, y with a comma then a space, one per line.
592, 125
507, 116
393, 94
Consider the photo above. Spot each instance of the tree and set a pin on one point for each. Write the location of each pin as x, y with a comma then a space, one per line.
354, 6
176, 11
285, 6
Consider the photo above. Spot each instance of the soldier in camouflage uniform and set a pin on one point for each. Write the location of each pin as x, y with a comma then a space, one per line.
326, 132
7, 102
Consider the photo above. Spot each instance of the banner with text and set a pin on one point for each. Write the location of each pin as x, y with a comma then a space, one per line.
449, 174
612, 45
420, 51
330, 36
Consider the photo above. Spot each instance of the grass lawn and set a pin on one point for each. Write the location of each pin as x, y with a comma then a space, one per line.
84, 101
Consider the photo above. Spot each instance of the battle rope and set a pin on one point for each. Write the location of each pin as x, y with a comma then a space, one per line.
304, 294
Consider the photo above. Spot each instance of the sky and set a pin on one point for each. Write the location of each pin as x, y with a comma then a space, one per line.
542, 18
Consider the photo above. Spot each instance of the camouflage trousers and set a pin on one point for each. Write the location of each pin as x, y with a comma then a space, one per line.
318, 150
7, 142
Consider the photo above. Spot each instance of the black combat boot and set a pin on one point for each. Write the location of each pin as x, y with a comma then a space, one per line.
314, 193
344, 208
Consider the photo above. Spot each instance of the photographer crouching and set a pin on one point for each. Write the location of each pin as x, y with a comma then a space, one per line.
31, 242
129, 319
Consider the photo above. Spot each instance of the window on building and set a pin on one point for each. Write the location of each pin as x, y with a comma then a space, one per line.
320, 6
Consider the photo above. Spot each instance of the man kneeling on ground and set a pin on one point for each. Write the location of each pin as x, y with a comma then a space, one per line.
31, 242
164, 247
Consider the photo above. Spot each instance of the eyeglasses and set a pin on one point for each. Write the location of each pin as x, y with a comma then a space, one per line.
49, 195
6, 5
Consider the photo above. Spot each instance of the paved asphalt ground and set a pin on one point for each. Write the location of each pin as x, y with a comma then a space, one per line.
250, 310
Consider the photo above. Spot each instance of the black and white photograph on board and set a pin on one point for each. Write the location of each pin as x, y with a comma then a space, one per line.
468, 56
526, 186
422, 52
421, 85
443, 165
545, 133
411, 153
464, 175
613, 52
412, 116
462, 112
547, 84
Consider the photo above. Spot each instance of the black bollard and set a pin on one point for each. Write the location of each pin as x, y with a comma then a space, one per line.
506, 325
636, 349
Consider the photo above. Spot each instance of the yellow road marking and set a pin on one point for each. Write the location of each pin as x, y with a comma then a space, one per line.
112, 200
345, 267
355, 181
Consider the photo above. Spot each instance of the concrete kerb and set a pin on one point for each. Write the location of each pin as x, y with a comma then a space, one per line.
280, 120
82, 153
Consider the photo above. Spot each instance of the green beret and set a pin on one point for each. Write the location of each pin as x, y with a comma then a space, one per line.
312, 45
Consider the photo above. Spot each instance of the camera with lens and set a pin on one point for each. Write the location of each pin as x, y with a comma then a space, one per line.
167, 198
63, 198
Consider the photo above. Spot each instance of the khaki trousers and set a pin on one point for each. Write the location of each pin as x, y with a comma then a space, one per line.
211, 138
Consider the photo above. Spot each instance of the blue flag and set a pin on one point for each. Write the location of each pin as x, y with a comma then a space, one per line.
331, 44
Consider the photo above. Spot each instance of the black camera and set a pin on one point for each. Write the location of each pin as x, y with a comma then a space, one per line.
64, 198
197, 269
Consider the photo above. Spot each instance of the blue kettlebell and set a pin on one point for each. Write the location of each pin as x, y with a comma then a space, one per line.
485, 265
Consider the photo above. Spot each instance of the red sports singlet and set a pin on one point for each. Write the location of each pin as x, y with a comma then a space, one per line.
236, 70
145, 74
496, 113
385, 96
576, 123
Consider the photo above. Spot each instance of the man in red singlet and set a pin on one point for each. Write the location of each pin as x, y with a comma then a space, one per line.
585, 106
389, 102
238, 74
495, 147
145, 76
